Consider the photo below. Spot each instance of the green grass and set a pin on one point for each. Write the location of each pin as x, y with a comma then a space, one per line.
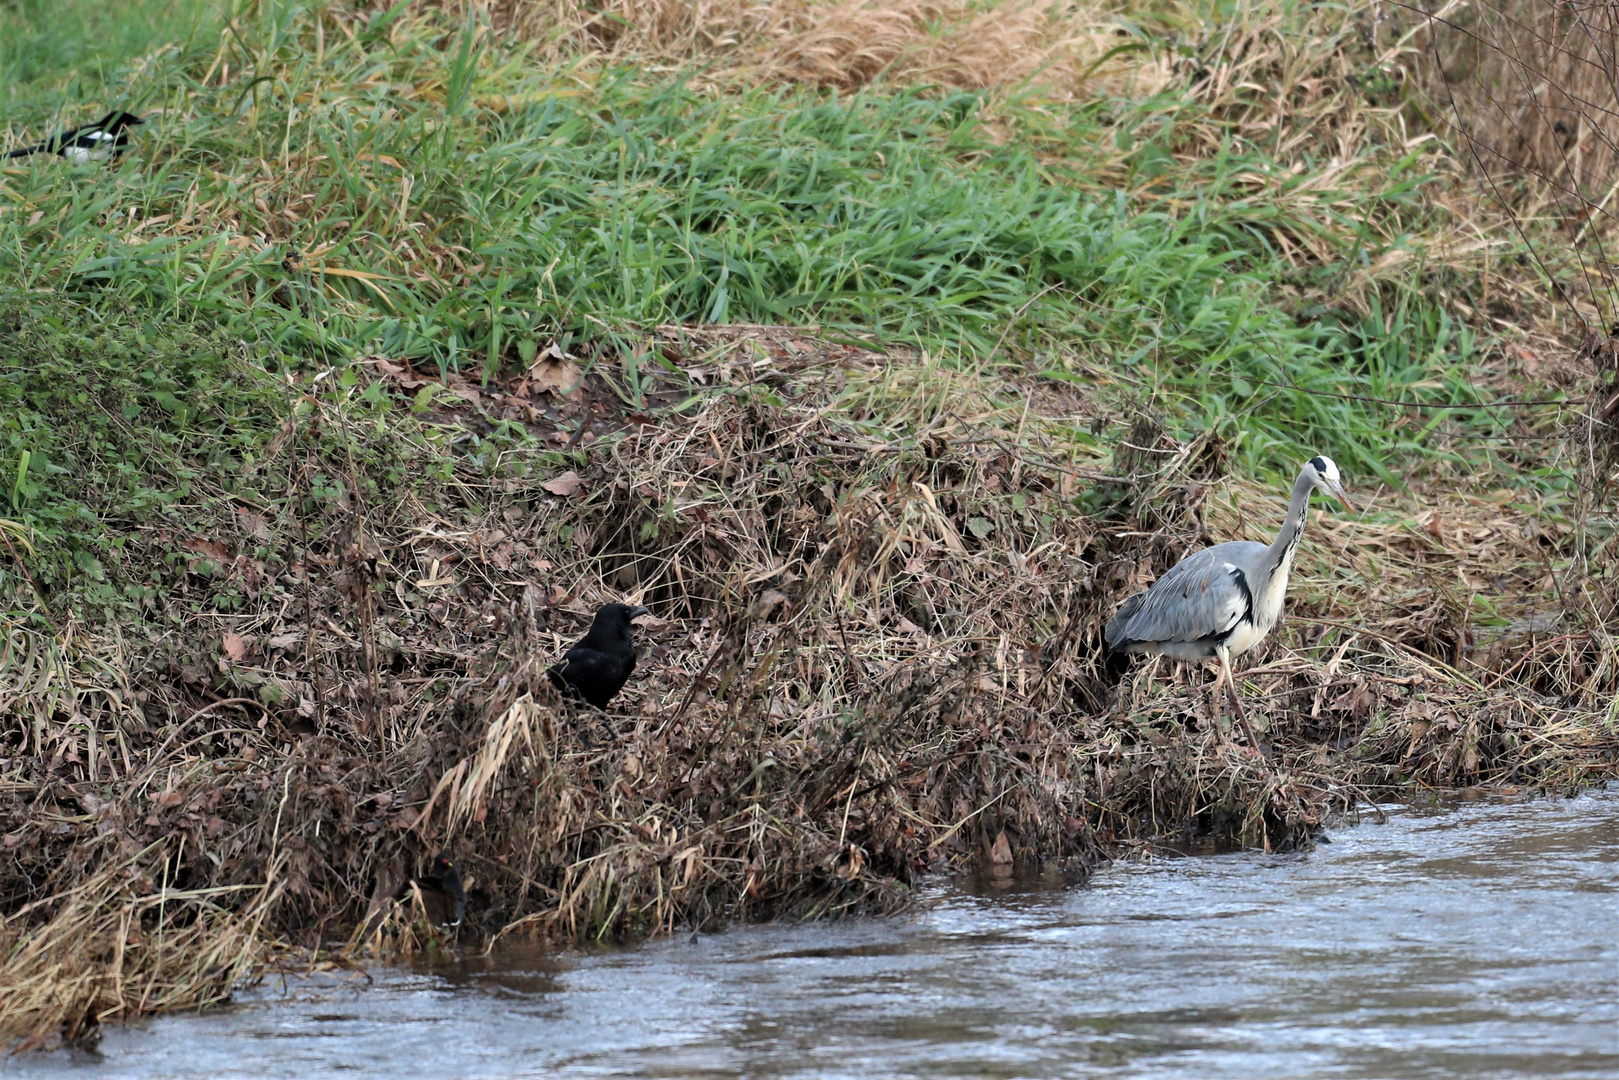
57, 54
348, 195
111, 422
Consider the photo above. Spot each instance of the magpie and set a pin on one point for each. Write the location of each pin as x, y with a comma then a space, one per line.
106, 138
443, 896
597, 668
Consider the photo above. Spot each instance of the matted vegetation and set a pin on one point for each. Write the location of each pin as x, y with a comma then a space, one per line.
879, 368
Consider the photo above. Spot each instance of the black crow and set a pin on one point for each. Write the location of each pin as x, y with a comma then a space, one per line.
597, 668
99, 141
443, 896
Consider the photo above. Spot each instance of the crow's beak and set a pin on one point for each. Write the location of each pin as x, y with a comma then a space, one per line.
637, 612
1336, 489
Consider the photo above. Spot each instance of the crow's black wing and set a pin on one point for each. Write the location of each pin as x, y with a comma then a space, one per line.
597, 675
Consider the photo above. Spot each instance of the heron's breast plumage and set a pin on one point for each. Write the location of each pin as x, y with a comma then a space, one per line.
1267, 610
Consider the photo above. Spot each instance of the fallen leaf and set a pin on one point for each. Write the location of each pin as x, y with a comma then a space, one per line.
212, 550
980, 527
256, 526
166, 799
1000, 852
555, 372
565, 485
235, 647
286, 641
906, 626
403, 376
766, 603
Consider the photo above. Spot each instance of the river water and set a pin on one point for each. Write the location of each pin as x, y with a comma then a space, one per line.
1477, 940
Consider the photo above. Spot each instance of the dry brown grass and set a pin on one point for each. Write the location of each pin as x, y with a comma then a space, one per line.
1530, 85
1524, 92
876, 654
117, 944
1067, 49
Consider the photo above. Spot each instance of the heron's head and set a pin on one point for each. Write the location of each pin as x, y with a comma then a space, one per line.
1325, 476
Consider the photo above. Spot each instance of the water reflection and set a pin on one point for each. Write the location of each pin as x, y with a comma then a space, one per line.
1472, 941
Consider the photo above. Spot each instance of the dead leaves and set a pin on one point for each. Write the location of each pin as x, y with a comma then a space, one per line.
253, 524
217, 557
554, 372
216, 554
235, 647
765, 604
400, 375
567, 485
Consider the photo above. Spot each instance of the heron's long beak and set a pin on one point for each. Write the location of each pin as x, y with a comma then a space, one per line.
1337, 491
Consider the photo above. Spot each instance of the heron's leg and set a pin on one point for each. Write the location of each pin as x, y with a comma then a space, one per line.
1219, 732
1231, 681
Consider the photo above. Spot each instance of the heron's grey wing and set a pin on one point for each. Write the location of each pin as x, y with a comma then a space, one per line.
1204, 595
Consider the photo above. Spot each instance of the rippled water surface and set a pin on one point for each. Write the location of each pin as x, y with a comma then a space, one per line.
1476, 941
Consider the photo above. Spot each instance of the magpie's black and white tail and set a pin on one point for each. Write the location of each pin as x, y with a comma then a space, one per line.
100, 141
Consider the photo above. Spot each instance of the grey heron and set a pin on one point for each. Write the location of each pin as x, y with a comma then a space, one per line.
1222, 601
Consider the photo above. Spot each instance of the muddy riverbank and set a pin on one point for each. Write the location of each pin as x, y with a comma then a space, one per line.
879, 591
1471, 941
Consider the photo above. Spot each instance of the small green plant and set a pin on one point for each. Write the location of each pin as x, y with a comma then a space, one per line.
23, 457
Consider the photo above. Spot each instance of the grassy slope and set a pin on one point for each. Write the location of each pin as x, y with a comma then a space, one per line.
430, 228
194, 445
402, 187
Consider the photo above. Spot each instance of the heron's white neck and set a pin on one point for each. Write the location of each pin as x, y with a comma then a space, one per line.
1279, 558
